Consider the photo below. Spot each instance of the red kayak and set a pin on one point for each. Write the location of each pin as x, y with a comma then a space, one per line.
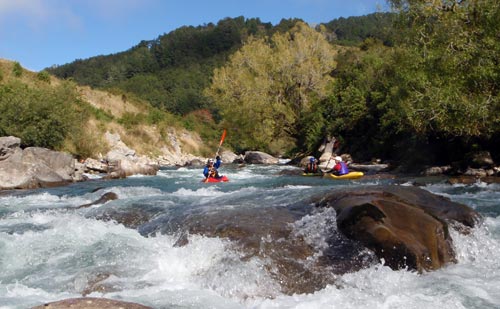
215, 179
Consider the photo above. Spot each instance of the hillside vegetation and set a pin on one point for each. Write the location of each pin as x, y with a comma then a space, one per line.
47, 112
417, 86
172, 71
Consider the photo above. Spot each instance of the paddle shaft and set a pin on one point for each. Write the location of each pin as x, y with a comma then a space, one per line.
327, 164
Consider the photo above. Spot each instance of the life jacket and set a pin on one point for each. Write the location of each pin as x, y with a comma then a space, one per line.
343, 168
311, 167
212, 170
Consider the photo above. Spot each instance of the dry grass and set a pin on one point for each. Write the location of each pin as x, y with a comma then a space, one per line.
27, 77
144, 139
115, 105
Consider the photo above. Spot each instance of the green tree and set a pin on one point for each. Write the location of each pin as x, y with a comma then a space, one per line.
432, 95
269, 86
447, 68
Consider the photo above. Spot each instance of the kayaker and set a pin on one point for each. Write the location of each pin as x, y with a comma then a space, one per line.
210, 169
312, 166
340, 168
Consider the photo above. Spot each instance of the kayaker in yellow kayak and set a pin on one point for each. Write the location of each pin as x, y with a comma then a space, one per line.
340, 168
312, 166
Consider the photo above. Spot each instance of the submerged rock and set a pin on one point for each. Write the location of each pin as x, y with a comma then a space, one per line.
91, 303
108, 196
269, 233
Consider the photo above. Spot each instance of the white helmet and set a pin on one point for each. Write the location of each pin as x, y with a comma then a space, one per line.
338, 158
210, 161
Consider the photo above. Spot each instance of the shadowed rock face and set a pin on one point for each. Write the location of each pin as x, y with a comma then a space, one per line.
405, 226
91, 303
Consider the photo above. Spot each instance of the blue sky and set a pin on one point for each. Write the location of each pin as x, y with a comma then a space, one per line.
41, 33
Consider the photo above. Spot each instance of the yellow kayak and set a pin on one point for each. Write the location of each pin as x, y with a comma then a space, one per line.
350, 175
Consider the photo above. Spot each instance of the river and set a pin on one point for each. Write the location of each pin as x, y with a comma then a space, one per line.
51, 251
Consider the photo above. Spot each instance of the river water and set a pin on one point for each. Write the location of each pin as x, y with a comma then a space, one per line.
50, 251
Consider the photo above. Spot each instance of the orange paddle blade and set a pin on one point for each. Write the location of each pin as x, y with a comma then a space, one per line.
222, 137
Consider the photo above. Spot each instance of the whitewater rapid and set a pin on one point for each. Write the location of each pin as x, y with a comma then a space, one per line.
49, 251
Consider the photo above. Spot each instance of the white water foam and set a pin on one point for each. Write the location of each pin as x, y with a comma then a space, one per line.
42, 200
72, 251
132, 192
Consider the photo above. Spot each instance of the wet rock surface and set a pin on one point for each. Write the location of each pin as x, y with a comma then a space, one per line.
106, 197
268, 234
91, 303
405, 226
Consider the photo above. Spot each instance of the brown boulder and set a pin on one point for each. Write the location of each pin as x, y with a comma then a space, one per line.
404, 226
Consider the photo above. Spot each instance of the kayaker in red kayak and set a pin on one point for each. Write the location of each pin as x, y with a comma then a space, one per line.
210, 169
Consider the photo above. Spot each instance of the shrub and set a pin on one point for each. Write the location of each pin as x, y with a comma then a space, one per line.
128, 120
17, 69
43, 76
40, 117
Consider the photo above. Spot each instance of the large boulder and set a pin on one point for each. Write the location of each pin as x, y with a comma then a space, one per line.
228, 156
304, 248
33, 167
60, 163
404, 226
327, 149
258, 157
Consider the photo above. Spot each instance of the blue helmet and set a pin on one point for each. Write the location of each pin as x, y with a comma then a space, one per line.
312, 160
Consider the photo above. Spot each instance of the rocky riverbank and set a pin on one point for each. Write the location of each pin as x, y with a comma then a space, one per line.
36, 167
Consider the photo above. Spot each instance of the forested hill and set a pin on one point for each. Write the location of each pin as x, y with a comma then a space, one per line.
171, 71
353, 30
419, 86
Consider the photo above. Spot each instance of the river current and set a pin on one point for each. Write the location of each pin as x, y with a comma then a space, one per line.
51, 251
